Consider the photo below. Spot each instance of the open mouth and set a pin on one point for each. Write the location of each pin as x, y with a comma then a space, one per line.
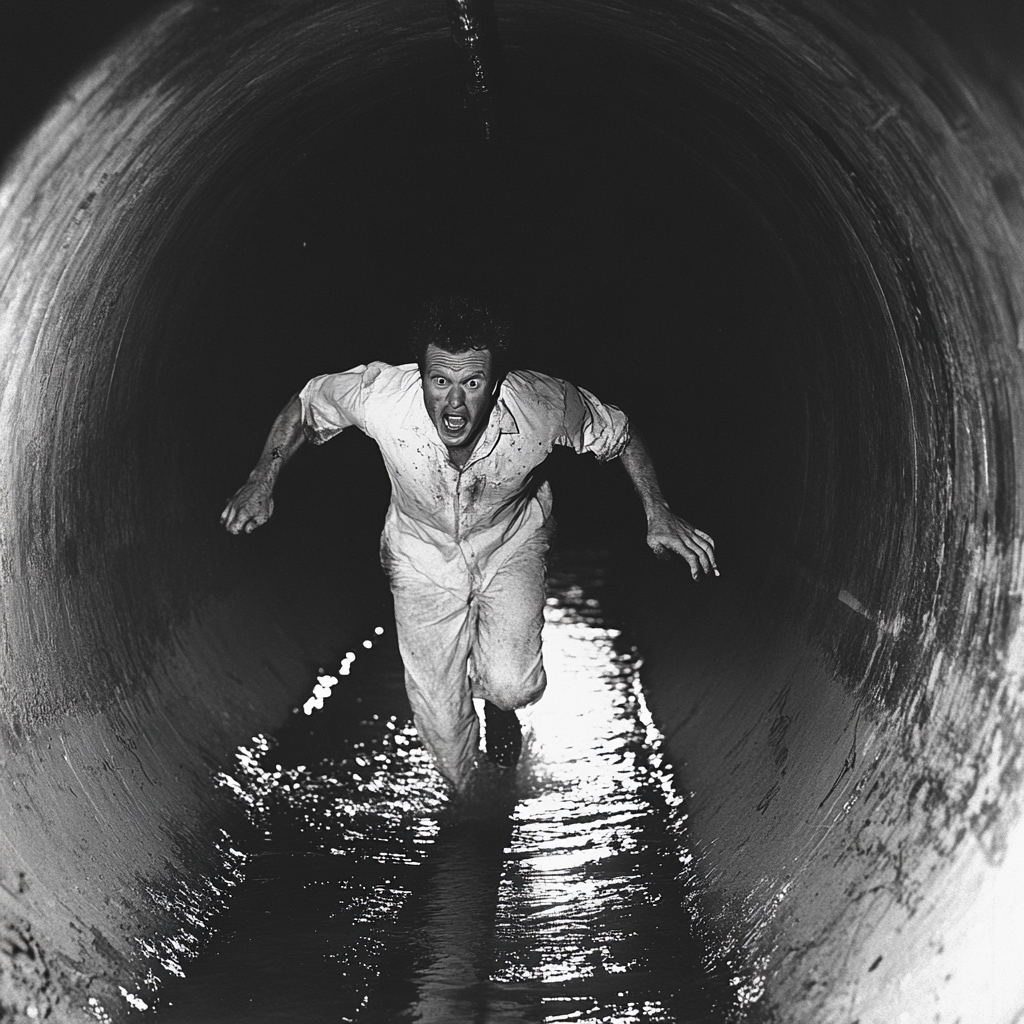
454, 424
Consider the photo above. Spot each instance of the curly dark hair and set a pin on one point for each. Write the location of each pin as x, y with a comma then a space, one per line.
457, 323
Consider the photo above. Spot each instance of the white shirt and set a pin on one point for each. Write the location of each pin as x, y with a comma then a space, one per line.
443, 518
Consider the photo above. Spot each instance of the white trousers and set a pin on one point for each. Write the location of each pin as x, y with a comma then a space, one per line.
474, 633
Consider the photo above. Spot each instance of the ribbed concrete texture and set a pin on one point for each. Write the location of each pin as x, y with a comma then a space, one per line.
787, 237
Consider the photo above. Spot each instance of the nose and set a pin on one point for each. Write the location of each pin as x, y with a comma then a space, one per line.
457, 396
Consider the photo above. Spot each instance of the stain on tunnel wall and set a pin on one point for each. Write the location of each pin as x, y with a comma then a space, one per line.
803, 223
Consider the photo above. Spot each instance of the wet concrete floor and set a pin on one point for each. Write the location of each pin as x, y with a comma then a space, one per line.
557, 893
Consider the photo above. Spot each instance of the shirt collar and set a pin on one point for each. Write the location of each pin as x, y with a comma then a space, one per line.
506, 421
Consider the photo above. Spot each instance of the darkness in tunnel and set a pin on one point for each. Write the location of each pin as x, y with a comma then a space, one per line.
651, 241
45, 44
630, 264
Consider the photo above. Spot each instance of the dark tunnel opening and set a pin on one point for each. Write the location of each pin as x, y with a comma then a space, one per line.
786, 244
584, 227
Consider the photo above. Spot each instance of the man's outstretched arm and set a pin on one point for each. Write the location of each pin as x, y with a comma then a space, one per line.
253, 503
665, 531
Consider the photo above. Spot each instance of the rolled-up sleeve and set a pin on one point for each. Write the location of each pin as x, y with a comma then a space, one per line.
593, 426
332, 402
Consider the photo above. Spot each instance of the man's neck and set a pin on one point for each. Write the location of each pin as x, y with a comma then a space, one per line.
458, 457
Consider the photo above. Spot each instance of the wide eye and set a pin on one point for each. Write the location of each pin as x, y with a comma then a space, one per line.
473, 383
440, 381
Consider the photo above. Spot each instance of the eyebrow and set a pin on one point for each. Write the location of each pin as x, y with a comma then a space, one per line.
440, 372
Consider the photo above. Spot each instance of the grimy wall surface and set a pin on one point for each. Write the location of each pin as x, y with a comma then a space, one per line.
788, 235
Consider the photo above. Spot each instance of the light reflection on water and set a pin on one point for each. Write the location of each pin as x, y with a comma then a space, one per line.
553, 895
590, 904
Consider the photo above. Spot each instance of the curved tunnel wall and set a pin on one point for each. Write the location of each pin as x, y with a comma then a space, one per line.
854, 377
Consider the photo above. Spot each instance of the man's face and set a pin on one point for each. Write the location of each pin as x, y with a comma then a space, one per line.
458, 391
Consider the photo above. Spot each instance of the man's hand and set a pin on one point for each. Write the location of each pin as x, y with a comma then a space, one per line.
667, 532
251, 506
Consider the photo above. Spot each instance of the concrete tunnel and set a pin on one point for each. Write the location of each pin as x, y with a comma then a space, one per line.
787, 238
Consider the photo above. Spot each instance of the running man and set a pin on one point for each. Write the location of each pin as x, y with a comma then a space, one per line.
467, 532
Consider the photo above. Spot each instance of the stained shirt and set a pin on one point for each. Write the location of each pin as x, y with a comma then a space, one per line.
441, 516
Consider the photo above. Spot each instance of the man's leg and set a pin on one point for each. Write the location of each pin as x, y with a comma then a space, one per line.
435, 630
504, 732
507, 667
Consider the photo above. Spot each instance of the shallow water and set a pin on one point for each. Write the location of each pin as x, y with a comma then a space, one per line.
555, 894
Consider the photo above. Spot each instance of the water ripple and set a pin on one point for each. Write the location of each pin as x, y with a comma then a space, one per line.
557, 892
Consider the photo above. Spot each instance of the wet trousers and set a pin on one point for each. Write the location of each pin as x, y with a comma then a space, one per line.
476, 632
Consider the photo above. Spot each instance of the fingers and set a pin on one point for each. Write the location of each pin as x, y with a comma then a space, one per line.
241, 523
664, 550
693, 545
706, 552
227, 517
242, 517
702, 558
234, 517
697, 558
693, 562
704, 548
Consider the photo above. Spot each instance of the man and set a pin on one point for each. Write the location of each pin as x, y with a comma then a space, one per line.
469, 524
